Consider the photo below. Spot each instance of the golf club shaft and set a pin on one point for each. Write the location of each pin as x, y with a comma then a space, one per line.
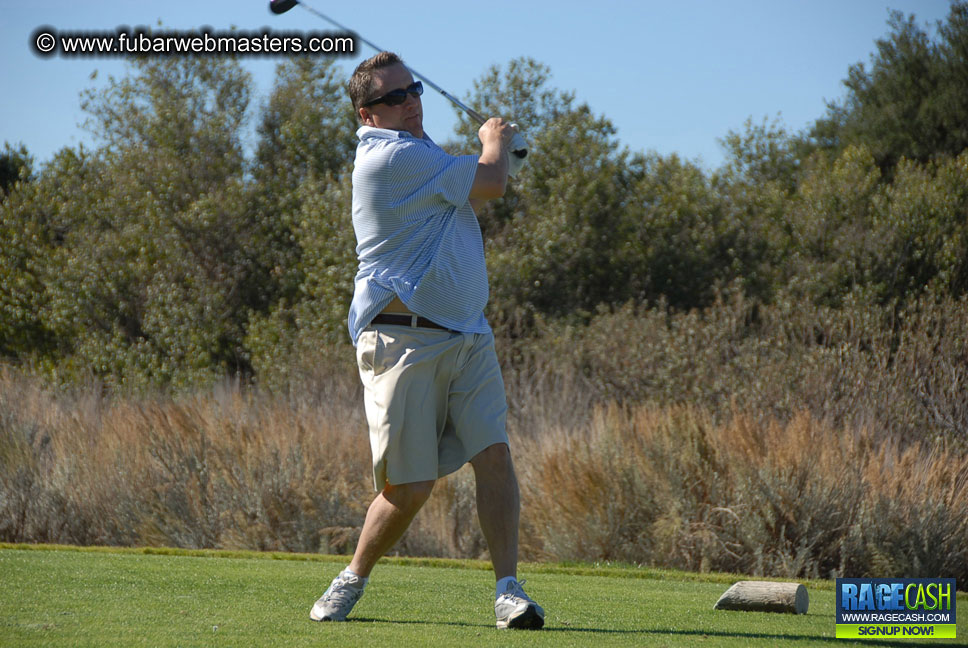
470, 111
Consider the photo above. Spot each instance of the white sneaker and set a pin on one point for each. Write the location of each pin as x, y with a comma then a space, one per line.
343, 593
515, 609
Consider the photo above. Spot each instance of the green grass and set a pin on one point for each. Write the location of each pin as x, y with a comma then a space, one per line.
65, 596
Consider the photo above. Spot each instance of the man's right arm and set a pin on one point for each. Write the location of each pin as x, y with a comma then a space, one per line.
491, 178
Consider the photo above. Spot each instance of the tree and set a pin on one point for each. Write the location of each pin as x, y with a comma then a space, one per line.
520, 93
34, 219
913, 100
148, 268
589, 224
162, 256
833, 241
303, 336
306, 134
550, 240
16, 165
923, 226
762, 153
558, 255
952, 101
307, 124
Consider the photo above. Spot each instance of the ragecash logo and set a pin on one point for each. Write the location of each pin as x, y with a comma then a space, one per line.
898, 608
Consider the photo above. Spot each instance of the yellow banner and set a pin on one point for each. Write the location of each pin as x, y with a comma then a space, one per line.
890, 631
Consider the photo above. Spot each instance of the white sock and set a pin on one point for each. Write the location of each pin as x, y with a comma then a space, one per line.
502, 585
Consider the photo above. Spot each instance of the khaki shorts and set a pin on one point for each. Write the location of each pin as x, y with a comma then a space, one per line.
433, 398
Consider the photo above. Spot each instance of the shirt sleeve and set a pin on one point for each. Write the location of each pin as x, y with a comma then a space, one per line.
422, 168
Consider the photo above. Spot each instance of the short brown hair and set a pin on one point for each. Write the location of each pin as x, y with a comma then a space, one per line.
361, 83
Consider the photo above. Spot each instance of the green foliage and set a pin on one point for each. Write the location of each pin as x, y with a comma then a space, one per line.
913, 100
307, 125
167, 257
831, 232
294, 337
16, 165
588, 223
164, 272
924, 226
683, 238
521, 93
848, 231
301, 199
558, 254
174, 127
762, 170
36, 222
306, 131
138, 259
762, 154
158, 258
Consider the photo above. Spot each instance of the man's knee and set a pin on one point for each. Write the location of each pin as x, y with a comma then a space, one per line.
409, 497
494, 458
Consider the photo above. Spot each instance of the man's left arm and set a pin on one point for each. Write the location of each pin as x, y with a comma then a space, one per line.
491, 179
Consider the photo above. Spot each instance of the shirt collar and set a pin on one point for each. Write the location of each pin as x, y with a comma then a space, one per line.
372, 132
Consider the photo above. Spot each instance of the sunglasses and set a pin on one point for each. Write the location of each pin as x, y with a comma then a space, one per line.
398, 96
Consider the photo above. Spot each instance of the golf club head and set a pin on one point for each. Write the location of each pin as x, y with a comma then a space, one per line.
281, 6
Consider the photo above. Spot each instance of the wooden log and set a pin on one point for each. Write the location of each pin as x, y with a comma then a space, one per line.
765, 596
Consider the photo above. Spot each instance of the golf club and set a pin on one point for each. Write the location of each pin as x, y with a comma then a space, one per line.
282, 6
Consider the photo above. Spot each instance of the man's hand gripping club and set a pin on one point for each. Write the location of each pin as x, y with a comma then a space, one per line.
494, 164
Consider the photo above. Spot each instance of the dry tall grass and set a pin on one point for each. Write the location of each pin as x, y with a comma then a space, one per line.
671, 487
901, 371
227, 469
789, 441
668, 486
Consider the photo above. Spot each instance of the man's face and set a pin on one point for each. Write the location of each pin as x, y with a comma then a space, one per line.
407, 116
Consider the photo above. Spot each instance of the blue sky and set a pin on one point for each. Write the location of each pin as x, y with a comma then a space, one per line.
673, 76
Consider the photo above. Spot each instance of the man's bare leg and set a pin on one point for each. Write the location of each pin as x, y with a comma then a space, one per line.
388, 517
498, 507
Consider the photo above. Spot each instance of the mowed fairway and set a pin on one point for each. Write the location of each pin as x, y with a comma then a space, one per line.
81, 598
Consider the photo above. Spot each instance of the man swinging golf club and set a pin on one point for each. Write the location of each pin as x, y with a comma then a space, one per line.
433, 392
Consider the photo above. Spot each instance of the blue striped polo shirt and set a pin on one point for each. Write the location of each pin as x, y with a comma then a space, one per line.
417, 235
